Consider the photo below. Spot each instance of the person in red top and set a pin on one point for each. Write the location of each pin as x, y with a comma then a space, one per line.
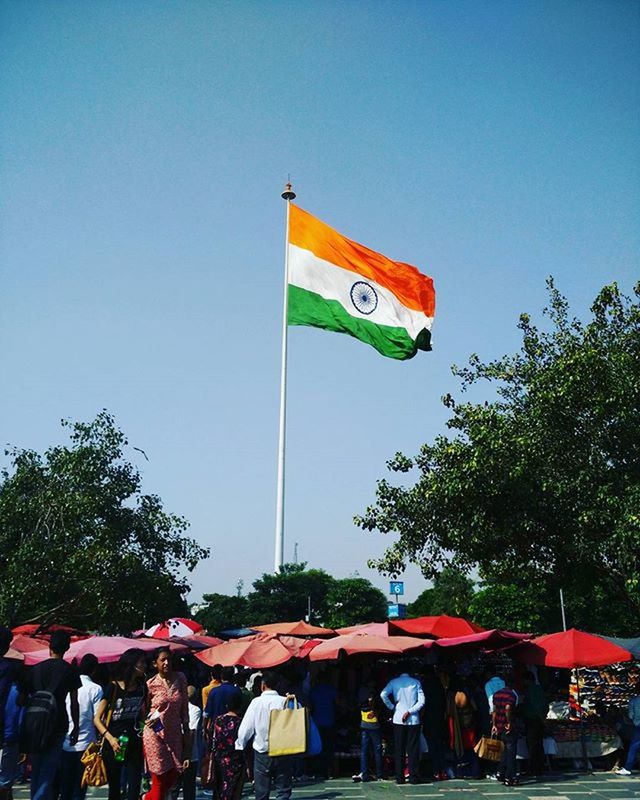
504, 727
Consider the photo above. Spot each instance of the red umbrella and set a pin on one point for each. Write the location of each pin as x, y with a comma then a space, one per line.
176, 626
569, 649
354, 643
44, 631
106, 649
377, 628
439, 627
299, 628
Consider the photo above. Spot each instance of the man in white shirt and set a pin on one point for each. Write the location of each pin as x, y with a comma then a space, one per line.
89, 697
404, 696
256, 723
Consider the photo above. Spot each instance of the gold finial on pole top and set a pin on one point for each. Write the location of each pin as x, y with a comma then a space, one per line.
288, 193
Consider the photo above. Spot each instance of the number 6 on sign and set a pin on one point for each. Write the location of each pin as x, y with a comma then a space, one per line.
396, 587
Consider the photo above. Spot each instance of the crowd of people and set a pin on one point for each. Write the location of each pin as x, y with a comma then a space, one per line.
158, 723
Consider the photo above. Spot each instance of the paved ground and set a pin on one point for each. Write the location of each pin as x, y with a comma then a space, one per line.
565, 786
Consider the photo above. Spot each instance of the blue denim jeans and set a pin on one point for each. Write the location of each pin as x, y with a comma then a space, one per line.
373, 735
634, 746
44, 767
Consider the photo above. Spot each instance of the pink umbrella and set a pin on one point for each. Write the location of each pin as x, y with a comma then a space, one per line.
176, 626
15, 655
106, 649
377, 628
354, 643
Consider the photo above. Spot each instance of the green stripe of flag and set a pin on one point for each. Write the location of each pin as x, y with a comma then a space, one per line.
309, 308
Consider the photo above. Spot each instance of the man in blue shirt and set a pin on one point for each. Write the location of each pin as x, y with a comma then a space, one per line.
404, 696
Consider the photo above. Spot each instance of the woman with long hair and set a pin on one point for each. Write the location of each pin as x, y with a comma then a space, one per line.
229, 766
166, 736
119, 718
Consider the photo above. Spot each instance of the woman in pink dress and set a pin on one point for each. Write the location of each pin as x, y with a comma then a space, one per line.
166, 733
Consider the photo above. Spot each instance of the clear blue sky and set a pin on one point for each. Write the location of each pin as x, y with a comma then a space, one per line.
144, 147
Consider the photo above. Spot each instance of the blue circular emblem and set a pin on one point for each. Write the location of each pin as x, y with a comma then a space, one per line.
364, 297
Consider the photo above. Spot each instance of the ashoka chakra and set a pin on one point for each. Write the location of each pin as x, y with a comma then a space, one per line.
364, 297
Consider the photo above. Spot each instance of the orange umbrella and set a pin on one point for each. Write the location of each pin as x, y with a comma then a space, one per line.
260, 651
354, 643
299, 628
440, 627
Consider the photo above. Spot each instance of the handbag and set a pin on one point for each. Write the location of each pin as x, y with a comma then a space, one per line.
489, 748
288, 730
314, 744
95, 772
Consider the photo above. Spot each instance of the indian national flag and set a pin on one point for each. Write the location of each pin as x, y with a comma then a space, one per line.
340, 285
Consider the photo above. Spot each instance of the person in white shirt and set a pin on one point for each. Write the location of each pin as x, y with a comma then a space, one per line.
89, 697
256, 723
404, 696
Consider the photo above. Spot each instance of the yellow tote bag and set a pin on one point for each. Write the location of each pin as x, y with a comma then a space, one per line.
288, 730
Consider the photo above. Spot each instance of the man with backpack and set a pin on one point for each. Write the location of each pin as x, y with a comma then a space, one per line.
45, 722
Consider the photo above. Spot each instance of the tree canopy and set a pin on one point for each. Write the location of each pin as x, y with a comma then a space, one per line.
541, 483
451, 594
287, 595
81, 543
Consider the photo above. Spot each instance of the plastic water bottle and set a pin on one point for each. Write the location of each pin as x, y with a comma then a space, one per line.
122, 752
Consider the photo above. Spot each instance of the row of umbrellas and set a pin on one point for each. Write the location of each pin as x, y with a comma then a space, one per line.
271, 645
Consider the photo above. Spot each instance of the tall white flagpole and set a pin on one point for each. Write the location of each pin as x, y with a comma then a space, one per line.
287, 195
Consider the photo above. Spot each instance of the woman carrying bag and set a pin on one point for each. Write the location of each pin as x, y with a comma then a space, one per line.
118, 719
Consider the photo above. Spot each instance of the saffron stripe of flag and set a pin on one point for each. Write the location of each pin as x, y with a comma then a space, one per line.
340, 285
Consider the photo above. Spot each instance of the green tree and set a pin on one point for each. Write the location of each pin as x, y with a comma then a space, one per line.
223, 612
79, 541
514, 608
451, 593
284, 596
543, 480
423, 604
354, 600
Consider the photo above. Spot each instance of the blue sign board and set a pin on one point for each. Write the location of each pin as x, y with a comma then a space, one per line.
396, 587
397, 611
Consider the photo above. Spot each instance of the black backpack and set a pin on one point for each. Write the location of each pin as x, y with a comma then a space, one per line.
38, 727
